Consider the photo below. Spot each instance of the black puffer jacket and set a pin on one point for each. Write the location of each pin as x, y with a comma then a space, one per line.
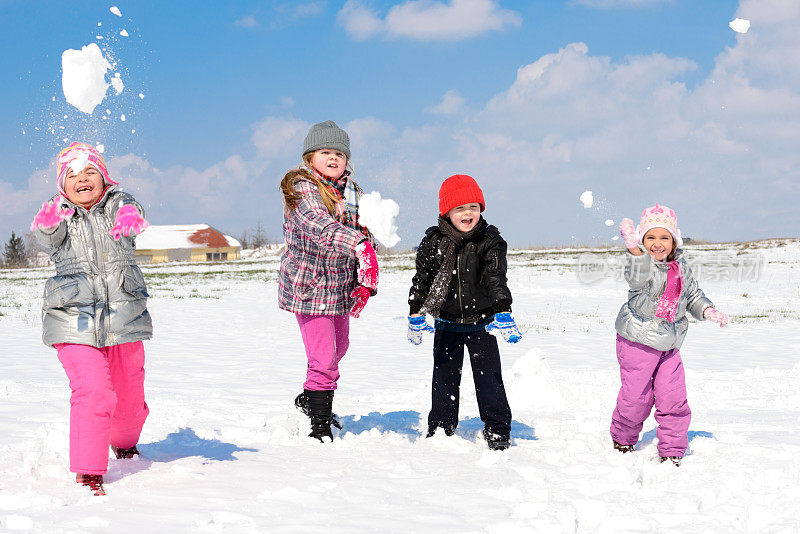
478, 288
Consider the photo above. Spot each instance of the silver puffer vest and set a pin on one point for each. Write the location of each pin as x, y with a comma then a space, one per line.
647, 279
98, 295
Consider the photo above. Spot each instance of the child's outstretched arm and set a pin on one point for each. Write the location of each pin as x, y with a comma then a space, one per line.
128, 218
48, 224
312, 214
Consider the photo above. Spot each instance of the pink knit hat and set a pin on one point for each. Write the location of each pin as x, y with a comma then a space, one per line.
660, 217
77, 156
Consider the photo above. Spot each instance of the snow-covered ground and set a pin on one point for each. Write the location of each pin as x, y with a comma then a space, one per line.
224, 449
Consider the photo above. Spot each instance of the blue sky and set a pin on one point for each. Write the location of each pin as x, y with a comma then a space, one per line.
231, 88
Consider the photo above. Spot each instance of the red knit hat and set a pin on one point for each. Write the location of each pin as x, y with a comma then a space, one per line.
458, 190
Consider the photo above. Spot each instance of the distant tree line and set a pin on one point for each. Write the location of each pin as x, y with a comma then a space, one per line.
256, 237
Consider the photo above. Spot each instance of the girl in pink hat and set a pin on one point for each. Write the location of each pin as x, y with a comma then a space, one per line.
95, 309
651, 327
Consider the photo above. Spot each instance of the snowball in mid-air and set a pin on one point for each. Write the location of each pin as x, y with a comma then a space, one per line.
609, 222
739, 25
588, 199
116, 83
123, 33
378, 215
84, 77
115, 10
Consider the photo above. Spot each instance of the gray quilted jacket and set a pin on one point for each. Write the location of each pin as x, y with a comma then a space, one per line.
97, 296
647, 279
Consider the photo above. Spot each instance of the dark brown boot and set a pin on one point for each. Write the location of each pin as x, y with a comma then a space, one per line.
93, 482
623, 448
124, 454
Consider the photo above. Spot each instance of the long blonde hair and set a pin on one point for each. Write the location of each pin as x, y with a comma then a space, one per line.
291, 198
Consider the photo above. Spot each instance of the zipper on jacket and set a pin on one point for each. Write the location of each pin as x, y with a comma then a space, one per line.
458, 288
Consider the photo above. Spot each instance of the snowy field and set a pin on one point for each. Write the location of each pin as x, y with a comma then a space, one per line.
224, 449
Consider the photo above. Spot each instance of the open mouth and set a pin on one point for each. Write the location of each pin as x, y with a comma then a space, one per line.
84, 189
468, 221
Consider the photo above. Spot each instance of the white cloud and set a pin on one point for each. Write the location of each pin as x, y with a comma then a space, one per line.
452, 103
247, 22
427, 20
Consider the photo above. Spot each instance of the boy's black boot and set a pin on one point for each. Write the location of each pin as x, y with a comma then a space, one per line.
320, 404
496, 442
301, 402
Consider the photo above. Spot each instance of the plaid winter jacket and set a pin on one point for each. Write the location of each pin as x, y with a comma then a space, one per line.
318, 268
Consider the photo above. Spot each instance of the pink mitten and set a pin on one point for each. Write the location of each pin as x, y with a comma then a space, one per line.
628, 233
716, 316
367, 265
51, 214
127, 222
361, 294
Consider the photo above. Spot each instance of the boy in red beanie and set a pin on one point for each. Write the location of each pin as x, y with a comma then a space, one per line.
461, 281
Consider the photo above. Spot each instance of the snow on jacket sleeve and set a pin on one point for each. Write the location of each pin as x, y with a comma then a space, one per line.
638, 270
696, 300
495, 268
426, 272
312, 214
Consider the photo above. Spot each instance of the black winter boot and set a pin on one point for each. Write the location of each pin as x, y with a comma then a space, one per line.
124, 454
301, 402
319, 407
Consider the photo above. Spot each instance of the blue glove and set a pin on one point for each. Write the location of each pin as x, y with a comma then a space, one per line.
504, 325
416, 327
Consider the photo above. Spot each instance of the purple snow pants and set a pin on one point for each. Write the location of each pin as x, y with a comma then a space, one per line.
649, 377
107, 405
326, 338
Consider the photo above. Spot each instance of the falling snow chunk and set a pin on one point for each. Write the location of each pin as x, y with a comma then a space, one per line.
99, 23
115, 10
122, 117
101, 148
615, 238
98, 37
141, 95
609, 222
84, 77
108, 111
123, 33
739, 25
133, 131
587, 198
116, 83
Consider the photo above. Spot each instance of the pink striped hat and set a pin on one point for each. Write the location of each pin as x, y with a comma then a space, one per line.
660, 217
77, 156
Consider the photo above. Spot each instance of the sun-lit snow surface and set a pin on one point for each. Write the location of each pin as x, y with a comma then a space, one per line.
225, 450
83, 77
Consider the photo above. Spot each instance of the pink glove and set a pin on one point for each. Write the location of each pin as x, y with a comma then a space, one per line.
51, 214
628, 233
716, 316
367, 265
127, 222
361, 294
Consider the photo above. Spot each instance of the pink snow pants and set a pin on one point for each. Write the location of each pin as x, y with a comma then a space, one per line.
326, 340
651, 377
107, 405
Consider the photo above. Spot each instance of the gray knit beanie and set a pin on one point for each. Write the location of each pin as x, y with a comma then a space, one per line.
327, 135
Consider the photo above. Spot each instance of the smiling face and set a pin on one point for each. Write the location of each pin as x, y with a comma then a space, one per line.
84, 188
659, 243
329, 162
465, 217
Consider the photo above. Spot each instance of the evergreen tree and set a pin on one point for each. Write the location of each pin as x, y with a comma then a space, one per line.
14, 255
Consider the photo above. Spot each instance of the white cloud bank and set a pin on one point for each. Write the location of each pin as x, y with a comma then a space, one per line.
426, 20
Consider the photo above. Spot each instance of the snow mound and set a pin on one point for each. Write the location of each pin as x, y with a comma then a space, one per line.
84, 77
533, 384
379, 215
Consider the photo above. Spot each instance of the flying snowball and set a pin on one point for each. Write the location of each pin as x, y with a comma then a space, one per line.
115, 10
588, 199
609, 222
739, 25
378, 215
83, 77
